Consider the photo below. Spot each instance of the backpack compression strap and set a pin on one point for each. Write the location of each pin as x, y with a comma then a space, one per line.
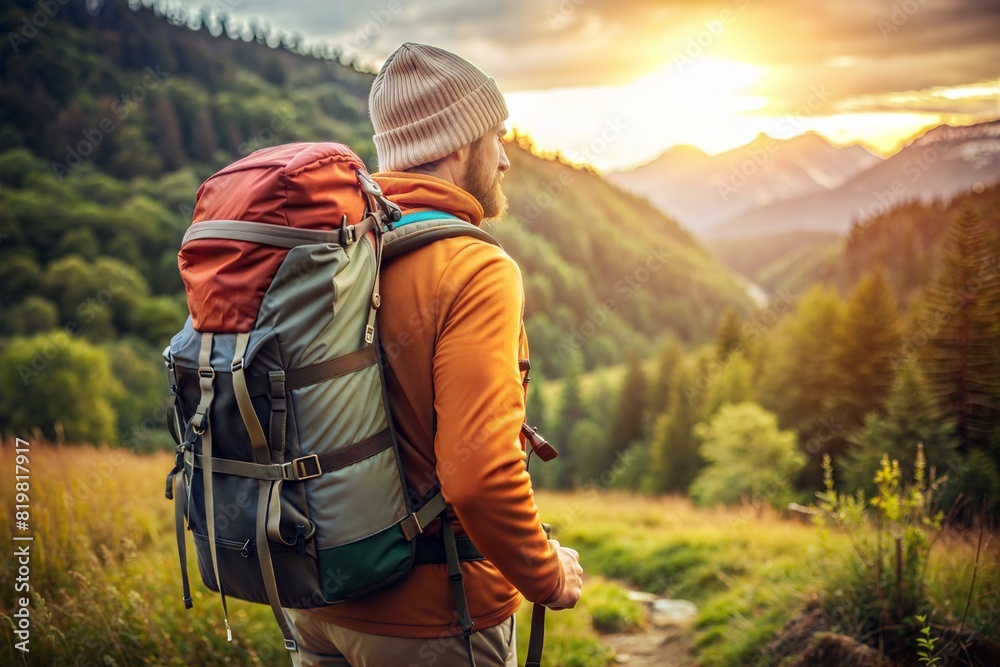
201, 425
274, 235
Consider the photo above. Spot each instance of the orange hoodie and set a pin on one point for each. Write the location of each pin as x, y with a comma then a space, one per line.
451, 328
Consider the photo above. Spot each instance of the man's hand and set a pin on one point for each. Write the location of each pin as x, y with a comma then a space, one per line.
569, 559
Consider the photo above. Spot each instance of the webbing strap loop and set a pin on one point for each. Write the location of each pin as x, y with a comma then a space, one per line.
206, 382
179, 513
272, 519
279, 410
264, 493
254, 429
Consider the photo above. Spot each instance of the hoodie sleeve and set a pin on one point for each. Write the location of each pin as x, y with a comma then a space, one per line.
479, 408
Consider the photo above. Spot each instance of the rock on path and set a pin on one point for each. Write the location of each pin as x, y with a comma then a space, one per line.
667, 641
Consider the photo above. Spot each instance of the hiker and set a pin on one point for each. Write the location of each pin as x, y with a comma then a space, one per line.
450, 325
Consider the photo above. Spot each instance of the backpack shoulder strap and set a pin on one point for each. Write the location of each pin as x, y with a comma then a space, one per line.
406, 238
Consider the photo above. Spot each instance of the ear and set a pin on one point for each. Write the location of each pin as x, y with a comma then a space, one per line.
462, 154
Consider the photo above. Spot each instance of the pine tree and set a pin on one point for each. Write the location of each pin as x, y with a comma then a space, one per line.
864, 346
166, 133
911, 418
729, 336
571, 410
675, 457
732, 384
537, 408
961, 360
203, 141
626, 425
798, 379
659, 391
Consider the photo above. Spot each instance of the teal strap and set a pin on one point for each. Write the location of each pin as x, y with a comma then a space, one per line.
421, 216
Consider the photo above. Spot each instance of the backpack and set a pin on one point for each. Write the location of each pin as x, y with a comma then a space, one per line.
287, 470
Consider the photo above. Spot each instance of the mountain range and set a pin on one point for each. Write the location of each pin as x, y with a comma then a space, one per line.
806, 183
704, 191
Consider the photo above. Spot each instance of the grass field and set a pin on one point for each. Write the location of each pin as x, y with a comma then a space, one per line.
105, 585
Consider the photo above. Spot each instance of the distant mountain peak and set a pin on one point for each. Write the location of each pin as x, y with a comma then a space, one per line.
957, 133
679, 154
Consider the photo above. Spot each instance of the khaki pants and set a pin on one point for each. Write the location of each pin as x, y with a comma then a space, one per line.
328, 645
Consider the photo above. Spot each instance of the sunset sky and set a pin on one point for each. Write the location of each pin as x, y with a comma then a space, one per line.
616, 83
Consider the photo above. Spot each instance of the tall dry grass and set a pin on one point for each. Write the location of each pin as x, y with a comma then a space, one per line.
106, 587
105, 583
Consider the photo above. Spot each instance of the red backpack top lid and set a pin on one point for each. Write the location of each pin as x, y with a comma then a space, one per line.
307, 185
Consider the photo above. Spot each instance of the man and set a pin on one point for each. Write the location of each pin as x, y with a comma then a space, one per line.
450, 321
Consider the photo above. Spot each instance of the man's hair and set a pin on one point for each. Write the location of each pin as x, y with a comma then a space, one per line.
426, 167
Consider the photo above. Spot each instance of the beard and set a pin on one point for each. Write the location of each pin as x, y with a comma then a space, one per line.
484, 184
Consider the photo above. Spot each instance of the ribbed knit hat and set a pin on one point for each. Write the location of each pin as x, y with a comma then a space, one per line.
426, 103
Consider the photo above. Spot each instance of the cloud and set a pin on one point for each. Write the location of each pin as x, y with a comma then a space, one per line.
978, 99
527, 44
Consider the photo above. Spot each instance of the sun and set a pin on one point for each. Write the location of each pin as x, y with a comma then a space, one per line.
706, 85
701, 102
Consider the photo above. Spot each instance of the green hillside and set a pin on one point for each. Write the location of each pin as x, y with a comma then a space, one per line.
603, 270
904, 241
769, 261
113, 118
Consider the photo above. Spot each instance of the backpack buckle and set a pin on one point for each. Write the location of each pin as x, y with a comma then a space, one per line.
347, 235
305, 467
368, 184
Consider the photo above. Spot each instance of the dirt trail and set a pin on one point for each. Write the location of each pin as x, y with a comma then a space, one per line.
666, 642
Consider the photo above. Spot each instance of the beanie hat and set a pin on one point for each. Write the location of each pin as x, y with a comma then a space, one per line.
427, 103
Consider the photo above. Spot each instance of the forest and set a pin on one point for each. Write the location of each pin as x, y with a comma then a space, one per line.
114, 119
713, 424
